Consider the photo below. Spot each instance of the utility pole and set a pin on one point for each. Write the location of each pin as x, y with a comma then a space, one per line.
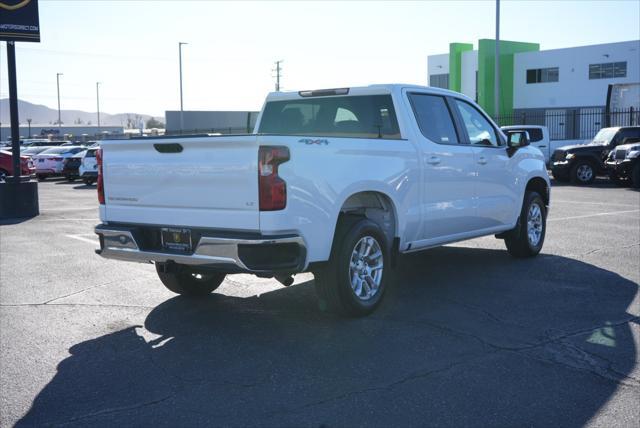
29, 122
181, 105
496, 94
58, 84
278, 71
98, 103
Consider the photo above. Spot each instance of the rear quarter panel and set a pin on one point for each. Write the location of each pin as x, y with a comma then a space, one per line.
323, 174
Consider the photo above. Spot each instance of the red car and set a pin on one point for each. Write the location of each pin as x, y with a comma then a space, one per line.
6, 165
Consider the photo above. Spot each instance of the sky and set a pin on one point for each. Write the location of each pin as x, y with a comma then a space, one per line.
131, 47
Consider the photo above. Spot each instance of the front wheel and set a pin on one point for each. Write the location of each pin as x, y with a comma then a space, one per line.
187, 281
354, 280
583, 172
527, 238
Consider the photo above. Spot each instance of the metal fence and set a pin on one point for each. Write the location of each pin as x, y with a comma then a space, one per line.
573, 124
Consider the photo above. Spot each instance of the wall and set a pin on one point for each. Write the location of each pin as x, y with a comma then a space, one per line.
574, 89
455, 64
76, 131
437, 64
486, 67
469, 69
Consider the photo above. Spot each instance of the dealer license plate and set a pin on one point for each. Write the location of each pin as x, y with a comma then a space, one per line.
175, 239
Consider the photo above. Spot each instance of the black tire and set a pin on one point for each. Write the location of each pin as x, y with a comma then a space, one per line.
41, 177
3, 174
617, 180
188, 282
517, 241
635, 176
333, 281
87, 181
70, 179
583, 172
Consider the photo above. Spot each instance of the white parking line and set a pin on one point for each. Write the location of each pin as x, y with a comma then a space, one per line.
591, 203
593, 215
70, 219
81, 237
71, 209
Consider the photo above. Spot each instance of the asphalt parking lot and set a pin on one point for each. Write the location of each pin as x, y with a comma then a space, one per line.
468, 336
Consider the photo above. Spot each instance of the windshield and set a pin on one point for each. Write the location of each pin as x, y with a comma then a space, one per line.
34, 150
61, 150
604, 136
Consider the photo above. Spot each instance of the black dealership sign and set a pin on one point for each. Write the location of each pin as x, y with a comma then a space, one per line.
19, 20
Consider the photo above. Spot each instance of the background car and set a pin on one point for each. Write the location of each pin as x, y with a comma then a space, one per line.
581, 163
89, 166
6, 165
71, 165
49, 162
32, 151
623, 164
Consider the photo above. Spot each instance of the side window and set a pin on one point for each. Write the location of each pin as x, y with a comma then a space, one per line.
434, 118
478, 128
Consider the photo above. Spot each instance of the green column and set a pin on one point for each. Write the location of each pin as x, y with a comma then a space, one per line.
486, 67
455, 64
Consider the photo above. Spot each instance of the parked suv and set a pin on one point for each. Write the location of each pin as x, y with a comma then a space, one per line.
337, 182
581, 163
624, 164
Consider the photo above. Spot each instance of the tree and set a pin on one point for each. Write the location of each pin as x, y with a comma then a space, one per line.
154, 123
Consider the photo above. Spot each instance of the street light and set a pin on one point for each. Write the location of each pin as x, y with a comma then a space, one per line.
98, 103
29, 122
58, 84
181, 105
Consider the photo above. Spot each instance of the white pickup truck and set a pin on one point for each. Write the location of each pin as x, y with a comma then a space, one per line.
337, 182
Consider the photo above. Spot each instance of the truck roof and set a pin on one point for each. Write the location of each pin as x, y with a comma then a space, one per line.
377, 89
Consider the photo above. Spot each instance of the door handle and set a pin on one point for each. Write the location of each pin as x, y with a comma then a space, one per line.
433, 160
542, 147
482, 160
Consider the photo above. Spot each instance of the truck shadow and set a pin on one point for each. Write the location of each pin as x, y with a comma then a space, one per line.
466, 337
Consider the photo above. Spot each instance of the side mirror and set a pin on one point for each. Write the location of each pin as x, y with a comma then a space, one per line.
517, 139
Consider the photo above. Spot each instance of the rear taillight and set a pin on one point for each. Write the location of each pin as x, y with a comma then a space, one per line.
100, 183
272, 188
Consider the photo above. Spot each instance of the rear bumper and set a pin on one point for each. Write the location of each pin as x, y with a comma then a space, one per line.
213, 250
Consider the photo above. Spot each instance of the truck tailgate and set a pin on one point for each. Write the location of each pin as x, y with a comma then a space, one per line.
193, 181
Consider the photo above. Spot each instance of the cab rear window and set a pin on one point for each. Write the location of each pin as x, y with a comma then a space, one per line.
365, 116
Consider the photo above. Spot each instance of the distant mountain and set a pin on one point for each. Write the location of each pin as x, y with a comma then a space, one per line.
43, 115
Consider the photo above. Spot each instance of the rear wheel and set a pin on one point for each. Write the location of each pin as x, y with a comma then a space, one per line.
187, 281
88, 181
3, 174
583, 172
354, 280
527, 238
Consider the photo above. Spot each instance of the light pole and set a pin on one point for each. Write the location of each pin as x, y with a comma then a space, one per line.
58, 84
496, 93
98, 103
29, 122
181, 105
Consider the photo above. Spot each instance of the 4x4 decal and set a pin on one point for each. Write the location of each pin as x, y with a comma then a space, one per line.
310, 141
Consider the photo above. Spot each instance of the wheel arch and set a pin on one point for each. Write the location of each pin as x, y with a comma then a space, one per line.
540, 185
374, 205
